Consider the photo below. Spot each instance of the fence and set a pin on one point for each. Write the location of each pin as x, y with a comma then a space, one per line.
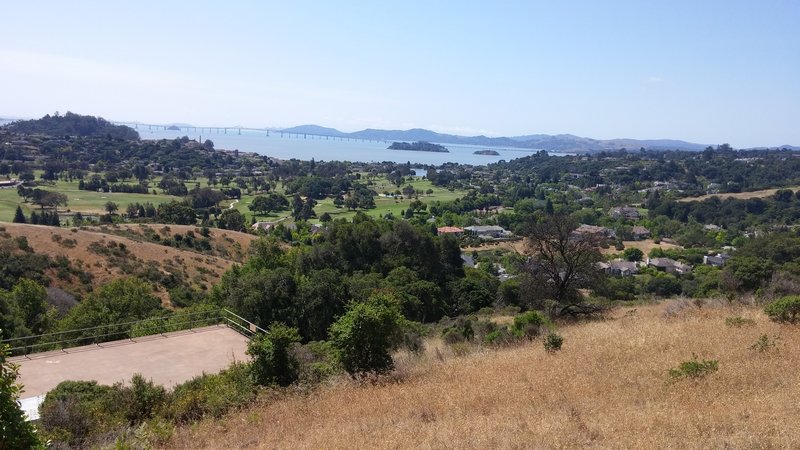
130, 330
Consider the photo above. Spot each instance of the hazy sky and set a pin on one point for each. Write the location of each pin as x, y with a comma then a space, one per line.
703, 71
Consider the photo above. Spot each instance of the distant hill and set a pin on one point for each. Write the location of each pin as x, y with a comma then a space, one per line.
73, 125
533, 142
315, 129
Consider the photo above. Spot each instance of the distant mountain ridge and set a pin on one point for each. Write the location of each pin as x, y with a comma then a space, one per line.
554, 143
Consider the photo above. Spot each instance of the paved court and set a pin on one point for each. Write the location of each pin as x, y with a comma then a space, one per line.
168, 360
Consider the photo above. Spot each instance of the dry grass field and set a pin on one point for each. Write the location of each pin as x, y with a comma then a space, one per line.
77, 246
645, 246
608, 388
740, 195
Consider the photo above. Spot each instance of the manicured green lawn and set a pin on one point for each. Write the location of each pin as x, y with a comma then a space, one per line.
94, 202
77, 200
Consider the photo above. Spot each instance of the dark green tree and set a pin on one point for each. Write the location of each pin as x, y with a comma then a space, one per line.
273, 360
19, 217
367, 333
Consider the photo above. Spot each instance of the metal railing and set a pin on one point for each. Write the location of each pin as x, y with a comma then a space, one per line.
152, 326
241, 325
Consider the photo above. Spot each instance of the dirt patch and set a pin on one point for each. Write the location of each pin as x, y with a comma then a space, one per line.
645, 246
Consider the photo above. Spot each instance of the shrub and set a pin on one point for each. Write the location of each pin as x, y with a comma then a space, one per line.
765, 344
76, 412
366, 333
273, 361
211, 395
141, 400
528, 325
15, 431
317, 361
460, 331
786, 309
553, 341
694, 368
738, 322
500, 336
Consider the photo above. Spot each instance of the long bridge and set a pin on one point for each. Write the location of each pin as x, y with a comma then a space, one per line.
238, 131
168, 350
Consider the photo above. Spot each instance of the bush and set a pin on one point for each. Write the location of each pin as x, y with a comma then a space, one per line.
317, 361
552, 343
141, 400
15, 431
211, 395
273, 360
694, 369
528, 325
786, 309
765, 344
366, 333
501, 336
460, 331
76, 412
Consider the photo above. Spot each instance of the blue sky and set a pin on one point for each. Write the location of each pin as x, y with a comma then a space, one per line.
703, 71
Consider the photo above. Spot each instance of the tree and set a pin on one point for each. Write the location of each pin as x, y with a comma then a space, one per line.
19, 217
49, 199
273, 361
633, 254
176, 212
15, 431
562, 262
231, 219
111, 207
119, 301
366, 334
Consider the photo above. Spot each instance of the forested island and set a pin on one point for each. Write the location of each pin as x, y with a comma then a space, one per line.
419, 146
486, 152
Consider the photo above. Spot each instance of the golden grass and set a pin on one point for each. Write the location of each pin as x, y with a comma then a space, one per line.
645, 246
607, 388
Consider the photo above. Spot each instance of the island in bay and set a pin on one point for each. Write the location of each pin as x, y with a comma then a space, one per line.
419, 146
486, 152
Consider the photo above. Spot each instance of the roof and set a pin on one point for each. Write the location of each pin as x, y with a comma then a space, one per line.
441, 230
637, 229
480, 228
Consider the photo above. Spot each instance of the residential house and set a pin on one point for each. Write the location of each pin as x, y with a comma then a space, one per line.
600, 232
9, 184
640, 233
624, 212
619, 268
487, 231
264, 226
717, 260
456, 231
669, 265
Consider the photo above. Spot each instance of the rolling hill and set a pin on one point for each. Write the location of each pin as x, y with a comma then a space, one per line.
107, 253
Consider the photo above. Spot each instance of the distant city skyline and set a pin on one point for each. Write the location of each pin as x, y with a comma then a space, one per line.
706, 72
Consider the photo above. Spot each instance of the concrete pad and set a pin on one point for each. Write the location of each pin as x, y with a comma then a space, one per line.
168, 359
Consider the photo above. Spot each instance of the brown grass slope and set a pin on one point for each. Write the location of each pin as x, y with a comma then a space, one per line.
608, 388
197, 269
740, 195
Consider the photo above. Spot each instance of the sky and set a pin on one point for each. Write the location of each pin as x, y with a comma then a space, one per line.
704, 71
